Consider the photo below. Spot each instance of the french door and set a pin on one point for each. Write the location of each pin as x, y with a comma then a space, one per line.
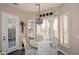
45, 31
10, 32
48, 31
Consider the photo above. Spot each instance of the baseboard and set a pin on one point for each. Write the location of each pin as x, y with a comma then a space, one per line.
63, 52
20, 48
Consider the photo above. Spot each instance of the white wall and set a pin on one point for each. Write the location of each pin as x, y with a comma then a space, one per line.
0, 35
73, 10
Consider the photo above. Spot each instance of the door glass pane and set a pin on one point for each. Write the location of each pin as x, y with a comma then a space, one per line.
43, 30
55, 27
65, 24
11, 33
31, 29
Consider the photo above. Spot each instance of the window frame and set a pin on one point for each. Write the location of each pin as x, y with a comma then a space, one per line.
62, 30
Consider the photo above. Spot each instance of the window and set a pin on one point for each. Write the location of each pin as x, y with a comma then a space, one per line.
55, 27
64, 29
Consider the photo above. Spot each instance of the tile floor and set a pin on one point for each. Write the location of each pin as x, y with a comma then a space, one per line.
21, 52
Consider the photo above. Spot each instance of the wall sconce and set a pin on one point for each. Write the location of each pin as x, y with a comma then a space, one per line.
22, 26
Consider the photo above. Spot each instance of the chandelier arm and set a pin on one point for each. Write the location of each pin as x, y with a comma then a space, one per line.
39, 10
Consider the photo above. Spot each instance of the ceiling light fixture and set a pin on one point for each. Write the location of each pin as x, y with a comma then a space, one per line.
38, 20
15, 4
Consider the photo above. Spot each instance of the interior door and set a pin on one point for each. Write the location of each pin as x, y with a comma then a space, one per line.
9, 30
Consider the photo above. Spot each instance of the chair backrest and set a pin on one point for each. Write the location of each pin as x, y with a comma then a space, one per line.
24, 42
54, 43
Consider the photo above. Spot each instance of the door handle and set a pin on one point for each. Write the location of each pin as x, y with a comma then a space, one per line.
3, 39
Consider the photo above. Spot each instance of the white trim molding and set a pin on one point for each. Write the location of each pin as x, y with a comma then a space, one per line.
20, 48
63, 52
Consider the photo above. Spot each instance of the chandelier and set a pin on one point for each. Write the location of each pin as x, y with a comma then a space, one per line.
38, 20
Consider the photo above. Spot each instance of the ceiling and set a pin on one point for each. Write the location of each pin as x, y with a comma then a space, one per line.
32, 7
